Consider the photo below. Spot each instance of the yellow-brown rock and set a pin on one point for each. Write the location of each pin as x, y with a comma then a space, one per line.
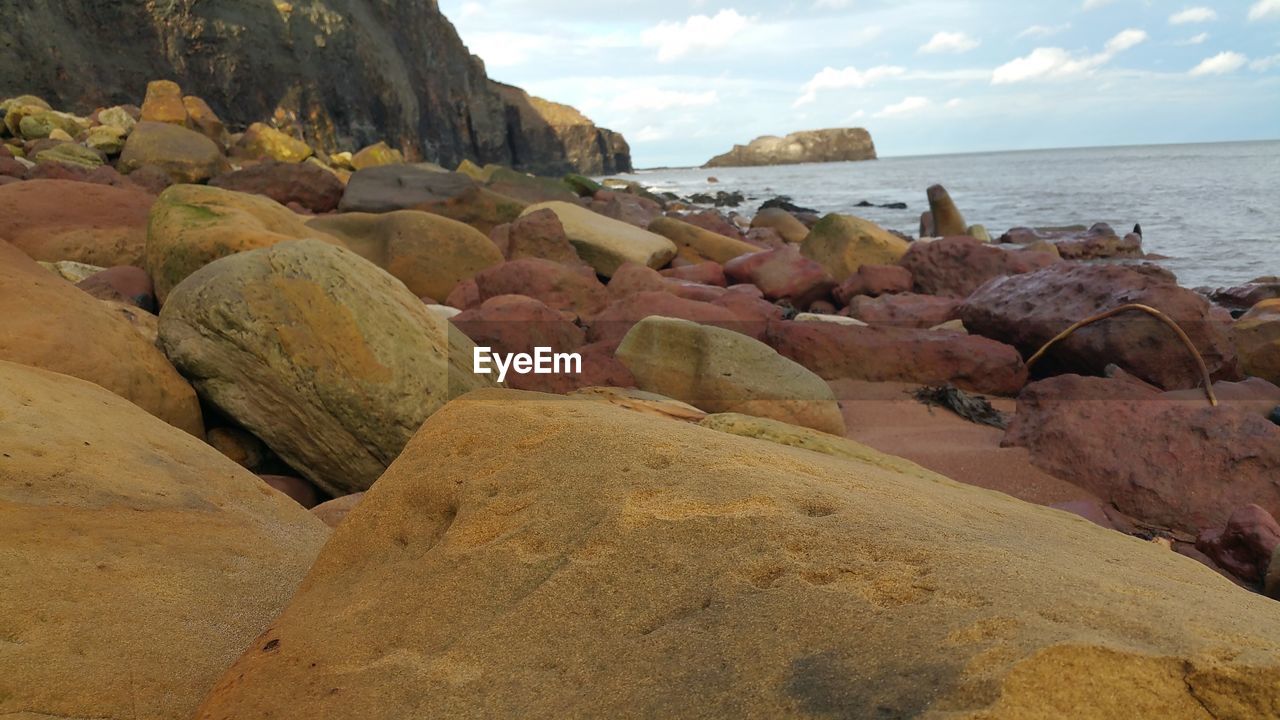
135, 562
51, 324
1256, 336
430, 254
697, 245
322, 355
606, 244
261, 141
163, 103
184, 155
844, 243
532, 556
105, 226
786, 224
204, 120
193, 225
376, 155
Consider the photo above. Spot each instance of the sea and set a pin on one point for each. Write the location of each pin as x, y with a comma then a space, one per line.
1212, 210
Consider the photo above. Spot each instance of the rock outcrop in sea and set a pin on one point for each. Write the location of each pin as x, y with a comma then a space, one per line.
809, 146
341, 73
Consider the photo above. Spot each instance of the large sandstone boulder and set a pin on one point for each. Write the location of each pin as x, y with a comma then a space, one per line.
193, 225
136, 562
1256, 336
398, 187
784, 223
572, 289
478, 207
615, 321
605, 243
56, 220
783, 274
844, 243
184, 155
263, 142
51, 324
696, 245
956, 266
719, 370
895, 354
326, 357
428, 253
809, 146
1028, 310
1168, 459
309, 185
630, 566
904, 310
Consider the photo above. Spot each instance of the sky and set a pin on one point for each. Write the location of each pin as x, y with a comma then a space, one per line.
685, 80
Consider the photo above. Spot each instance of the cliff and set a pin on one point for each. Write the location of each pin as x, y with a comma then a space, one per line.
542, 130
810, 146
346, 72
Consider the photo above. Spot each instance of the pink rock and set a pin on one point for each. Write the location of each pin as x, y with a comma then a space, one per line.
599, 369
558, 286
309, 186
518, 324
124, 283
874, 281
630, 209
538, 235
707, 273
712, 220
905, 310
783, 274
302, 492
886, 354
1097, 242
614, 322
1246, 545
956, 266
767, 238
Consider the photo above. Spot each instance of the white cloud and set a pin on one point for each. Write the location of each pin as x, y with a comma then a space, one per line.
471, 9
1264, 9
1265, 63
1195, 39
858, 115
1044, 30
1220, 64
1193, 15
507, 49
657, 99
831, 4
906, 107
649, 133
954, 103
1054, 63
949, 42
1095, 4
700, 32
830, 78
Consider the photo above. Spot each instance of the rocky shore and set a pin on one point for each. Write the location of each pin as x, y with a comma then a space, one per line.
248, 467
809, 146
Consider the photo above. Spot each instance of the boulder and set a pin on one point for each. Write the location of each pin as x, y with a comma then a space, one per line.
537, 235
325, 357
956, 266
296, 489
696, 245
163, 103
795, 436
630, 209
809, 146
399, 187
50, 324
707, 273
184, 155
1028, 310
643, 402
783, 222
1097, 242
478, 207
626, 566
106, 226
428, 253
518, 324
719, 370
890, 354
604, 243
615, 321
1245, 546
843, 243
137, 562
599, 369
309, 185
73, 155
783, 274
123, 283
715, 222
1182, 464
904, 310
561, 287
376, 155
238, 446
947, 220
332, 512
874, 281
193, 225
263, 142
202, 119
1256, 337
1243, 297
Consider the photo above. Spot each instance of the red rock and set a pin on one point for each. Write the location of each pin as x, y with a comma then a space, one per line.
9, 167
1246, 545
1097, 242
630, 209
124, 283
560, 287
614, 322
712, 220
539, 234
54, 220
886, 354
783, 274
1243, 297
599, 369
310, 186
873, 281
631, 278
465, 294
1028, 310
101, 175
301, 491
707, 273
1171, 462
905, 310
518, 324
956, 266
766, 238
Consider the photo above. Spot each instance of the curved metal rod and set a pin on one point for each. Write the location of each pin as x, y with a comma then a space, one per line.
1204, 370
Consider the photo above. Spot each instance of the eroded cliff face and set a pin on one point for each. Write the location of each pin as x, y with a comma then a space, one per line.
348, 72
810, 146
543, 131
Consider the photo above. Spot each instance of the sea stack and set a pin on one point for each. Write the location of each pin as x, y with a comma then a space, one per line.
811, 146
947, 220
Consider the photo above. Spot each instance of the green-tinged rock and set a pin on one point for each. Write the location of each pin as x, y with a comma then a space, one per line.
978, 232
698, 245
185, 155
473, 171
137, 562
261, 142
583, 185
719, 370
69, 153
844, 243
790, 435
604, 243
428, 253
478, 207
107, 139
325, 357
118, 117
190, 226
19, 107
41, 124
377, 155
